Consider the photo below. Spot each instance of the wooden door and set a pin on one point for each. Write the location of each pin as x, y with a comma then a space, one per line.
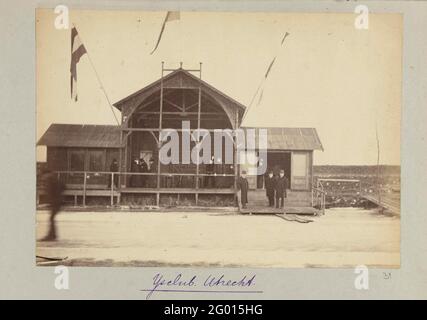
76, 160
96, 163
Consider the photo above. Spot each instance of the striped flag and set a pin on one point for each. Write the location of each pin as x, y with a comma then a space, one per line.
170, 16
77, 51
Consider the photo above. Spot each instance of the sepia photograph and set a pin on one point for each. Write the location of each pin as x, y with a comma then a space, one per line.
218, 139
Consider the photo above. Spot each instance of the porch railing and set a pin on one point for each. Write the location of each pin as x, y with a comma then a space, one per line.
318, 197
105, 183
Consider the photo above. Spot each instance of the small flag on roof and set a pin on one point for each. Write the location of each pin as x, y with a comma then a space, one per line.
170, 16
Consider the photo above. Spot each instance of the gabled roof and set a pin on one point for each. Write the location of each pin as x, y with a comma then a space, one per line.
291, 139
174, 74
76, 135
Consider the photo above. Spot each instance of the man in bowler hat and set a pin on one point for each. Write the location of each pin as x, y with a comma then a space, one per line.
269, 188
281, 185
243, 186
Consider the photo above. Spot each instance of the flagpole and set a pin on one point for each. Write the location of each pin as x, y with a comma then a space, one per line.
252, 100
97, 77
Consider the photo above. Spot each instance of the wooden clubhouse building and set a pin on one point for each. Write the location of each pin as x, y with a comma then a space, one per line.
82, 155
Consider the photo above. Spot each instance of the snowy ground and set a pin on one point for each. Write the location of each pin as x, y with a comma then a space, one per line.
340, 238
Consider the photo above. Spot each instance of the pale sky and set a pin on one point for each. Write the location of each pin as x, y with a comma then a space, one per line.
328, 75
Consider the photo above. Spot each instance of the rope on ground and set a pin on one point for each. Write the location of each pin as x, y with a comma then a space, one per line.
52, 259
293, 217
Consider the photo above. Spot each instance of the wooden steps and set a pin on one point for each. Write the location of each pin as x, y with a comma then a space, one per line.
286, 210
388, 202
294, 198
297, 202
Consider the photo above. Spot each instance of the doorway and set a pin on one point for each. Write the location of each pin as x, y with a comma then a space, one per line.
276, 161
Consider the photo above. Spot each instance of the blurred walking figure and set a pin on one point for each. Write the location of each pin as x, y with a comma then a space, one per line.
269, 188
243, 186
281, 185
54, 189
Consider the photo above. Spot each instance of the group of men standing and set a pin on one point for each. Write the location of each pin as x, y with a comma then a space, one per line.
142, 166
275, 187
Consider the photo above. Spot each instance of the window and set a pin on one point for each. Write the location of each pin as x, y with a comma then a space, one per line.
299, 168
96, 160
77, 161
300, 165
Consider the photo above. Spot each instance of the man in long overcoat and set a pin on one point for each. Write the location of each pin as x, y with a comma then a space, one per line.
114, 167
243, 186
269, 188
281, 185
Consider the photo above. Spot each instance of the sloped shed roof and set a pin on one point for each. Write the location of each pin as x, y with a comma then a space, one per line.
292, 139
108, 136
76, 135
